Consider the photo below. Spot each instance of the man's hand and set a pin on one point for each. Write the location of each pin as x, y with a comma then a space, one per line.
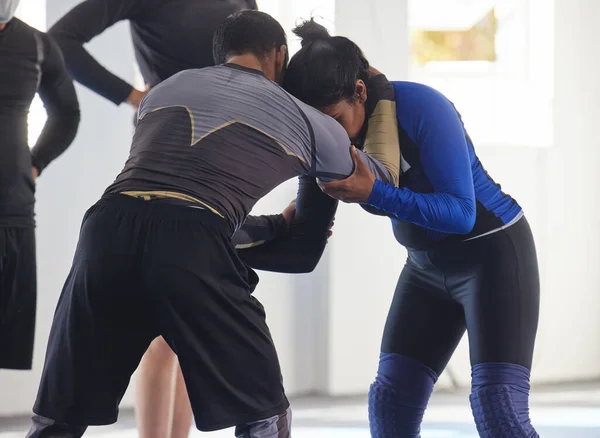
135, 97
34, 173
330, 232
289, 213
356, 188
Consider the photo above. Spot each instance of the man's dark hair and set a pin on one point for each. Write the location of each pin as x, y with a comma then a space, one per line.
247, 32
325, 70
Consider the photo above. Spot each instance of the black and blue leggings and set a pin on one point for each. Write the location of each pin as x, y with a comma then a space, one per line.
488, 286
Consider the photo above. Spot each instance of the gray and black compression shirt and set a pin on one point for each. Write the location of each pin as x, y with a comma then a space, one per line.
30, 62
265, 243
226, 136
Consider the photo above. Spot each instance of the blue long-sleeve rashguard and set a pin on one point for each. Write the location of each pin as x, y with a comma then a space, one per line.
444, 189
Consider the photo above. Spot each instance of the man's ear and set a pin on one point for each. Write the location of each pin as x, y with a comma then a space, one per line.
282, 57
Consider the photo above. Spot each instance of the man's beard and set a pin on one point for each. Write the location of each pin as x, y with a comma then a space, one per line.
281, 75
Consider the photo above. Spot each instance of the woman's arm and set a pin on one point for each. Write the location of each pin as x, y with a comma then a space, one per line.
433, 123
381, 140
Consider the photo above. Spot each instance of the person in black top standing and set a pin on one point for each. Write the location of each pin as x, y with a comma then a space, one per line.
168, 36
29, 62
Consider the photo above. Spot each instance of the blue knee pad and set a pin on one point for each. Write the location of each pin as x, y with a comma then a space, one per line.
500, 401
399, 396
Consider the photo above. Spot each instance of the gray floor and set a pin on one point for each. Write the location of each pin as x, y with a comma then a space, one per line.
571, 411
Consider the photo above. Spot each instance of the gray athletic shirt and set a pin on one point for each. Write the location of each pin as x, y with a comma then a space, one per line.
225, 136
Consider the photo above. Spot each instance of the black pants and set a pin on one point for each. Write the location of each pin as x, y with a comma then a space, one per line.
488, 286
17, 297
146, 269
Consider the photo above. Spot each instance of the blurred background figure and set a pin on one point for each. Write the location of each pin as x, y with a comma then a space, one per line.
29, 63
168, 37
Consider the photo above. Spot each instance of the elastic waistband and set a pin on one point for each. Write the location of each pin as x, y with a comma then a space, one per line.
174, 211
160, 194
446, 247
516, 219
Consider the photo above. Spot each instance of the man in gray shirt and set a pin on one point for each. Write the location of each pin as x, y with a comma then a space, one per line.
168, 36
155, 256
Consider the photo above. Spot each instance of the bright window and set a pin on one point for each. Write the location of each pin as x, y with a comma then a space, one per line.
33, 12
290, 12
493, 59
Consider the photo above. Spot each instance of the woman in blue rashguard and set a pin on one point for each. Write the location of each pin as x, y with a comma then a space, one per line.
472, 262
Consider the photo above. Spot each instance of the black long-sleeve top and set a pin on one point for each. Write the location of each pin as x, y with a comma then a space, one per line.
168, 36
30, 62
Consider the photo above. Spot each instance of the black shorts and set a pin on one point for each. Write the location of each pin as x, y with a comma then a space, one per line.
17, 297
488, 286
144, 269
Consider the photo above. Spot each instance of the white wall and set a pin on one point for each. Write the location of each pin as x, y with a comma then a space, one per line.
558, 188
571, 276
364, 258
295, 313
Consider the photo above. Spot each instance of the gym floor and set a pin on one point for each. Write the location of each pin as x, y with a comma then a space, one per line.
570, 411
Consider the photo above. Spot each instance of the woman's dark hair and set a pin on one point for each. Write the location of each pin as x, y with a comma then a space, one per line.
325, 70
247, 32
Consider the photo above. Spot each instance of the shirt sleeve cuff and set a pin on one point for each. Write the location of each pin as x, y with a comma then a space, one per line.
120, 93
37, 163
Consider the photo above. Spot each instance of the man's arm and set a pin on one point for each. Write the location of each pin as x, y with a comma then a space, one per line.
60, 100
331, 158
84, 22
301, 248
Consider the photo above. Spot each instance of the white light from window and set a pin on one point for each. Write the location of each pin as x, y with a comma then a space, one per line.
290, 12
509, 101
33, 12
